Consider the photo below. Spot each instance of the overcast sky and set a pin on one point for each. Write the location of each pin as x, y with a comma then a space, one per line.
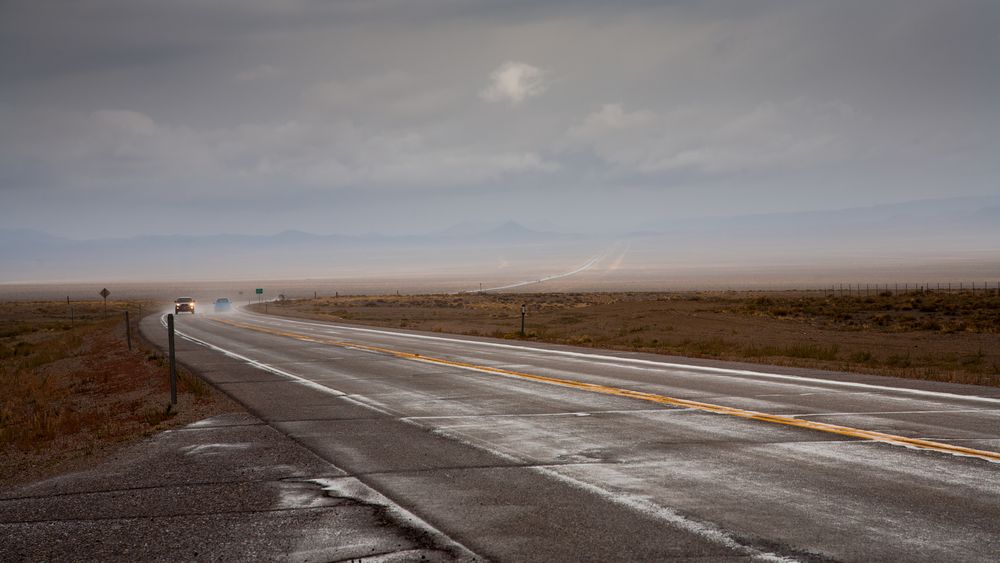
126, 117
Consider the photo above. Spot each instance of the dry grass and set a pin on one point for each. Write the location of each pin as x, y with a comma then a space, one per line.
933, 312
936, 336
72, 388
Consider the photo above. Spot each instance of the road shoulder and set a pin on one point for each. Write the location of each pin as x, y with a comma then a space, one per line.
227, 487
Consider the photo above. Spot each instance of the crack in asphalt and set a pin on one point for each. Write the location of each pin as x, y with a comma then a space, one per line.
174, 515
153, 488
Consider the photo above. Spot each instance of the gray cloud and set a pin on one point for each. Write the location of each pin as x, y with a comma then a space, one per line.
351, 116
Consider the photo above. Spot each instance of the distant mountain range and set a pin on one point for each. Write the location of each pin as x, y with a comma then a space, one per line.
937, 227
27, 255
500, 232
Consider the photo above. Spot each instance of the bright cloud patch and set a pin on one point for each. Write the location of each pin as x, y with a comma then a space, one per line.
514, 82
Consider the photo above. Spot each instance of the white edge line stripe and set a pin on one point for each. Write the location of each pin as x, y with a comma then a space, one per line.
661, 365
256, 364
705, 530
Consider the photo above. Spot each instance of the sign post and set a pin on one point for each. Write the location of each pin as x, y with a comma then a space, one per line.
105, 293
260, 293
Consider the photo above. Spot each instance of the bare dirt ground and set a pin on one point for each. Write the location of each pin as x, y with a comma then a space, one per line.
74, 392
923, 335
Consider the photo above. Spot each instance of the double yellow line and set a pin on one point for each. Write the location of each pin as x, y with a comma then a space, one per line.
651, 397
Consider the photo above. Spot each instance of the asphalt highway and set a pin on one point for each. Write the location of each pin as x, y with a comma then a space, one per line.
525, 451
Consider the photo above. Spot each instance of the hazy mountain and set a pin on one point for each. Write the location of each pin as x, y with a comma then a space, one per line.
35, 256
938, 231
509, 229
467, 228
512, 231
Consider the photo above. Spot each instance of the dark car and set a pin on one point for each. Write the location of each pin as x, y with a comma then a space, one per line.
222, 305
184, 304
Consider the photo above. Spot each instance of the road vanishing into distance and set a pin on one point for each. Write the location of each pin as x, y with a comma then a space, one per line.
583, 268
526, 451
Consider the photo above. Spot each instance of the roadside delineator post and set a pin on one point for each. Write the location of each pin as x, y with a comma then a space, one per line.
128, 332
173, 359
524, 310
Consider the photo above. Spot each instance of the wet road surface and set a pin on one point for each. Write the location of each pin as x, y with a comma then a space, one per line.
543, 452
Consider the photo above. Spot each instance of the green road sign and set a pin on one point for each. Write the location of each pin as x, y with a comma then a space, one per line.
260, 290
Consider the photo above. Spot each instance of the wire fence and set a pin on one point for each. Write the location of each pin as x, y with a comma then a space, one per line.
890, 289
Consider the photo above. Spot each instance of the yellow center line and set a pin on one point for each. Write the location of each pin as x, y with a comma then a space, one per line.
651, 397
